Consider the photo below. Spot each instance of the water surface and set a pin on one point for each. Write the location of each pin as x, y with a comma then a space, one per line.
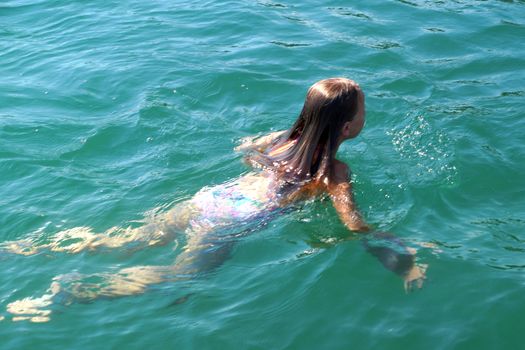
111, 109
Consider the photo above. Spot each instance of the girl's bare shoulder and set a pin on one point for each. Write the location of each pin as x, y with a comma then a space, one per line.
341, 171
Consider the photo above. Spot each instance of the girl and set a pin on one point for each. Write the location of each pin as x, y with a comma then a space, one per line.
290, 166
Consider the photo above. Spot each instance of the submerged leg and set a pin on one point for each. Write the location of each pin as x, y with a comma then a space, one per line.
161, 230
200, 256
33, 309
78, 239
70, 288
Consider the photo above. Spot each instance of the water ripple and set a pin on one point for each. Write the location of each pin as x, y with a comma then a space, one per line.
113, 110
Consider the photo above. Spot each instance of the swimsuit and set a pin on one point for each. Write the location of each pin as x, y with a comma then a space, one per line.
227, 205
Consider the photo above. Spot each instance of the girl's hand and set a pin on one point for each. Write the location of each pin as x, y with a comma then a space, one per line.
246, 143
415, 277
396, 257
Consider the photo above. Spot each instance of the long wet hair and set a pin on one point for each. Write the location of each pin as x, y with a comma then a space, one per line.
315, 135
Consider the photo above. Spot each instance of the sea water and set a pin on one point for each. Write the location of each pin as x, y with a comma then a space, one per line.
113, 110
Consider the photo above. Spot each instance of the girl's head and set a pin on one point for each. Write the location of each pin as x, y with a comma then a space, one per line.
333, 111
336, 104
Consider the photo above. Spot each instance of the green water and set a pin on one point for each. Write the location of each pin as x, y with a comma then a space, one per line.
110, 109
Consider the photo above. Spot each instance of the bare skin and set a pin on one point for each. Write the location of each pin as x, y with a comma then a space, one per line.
340, 188
201, 252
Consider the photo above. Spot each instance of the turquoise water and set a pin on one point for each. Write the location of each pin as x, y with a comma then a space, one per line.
109, 110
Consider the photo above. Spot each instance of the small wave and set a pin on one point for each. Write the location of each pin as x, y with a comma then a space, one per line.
286, 44
385, 45
513, 93
408, 3
435, 30
344, 11
272, 4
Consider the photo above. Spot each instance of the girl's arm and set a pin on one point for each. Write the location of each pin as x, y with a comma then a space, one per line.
340, 192
387, 248
258, 142
396, 257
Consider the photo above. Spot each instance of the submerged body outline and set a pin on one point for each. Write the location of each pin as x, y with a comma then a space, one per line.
291, 166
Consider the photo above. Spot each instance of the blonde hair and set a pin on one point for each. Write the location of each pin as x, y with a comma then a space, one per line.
315, 134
